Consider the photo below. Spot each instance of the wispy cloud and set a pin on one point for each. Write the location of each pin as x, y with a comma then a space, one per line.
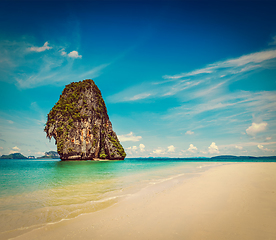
247, 144
139, 96
193, 73
57, 77
40, 49
273, 42
50, 67
201, 82
261, 147
189, 132
232, 66
56, 71
237, 102
130, 137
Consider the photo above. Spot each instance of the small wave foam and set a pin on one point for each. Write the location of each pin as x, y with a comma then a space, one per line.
52, 215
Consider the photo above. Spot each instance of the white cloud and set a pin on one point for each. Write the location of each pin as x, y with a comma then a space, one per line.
248, 144
158, 151
261, 147
15, 150
40, 153
213, 148
131, 150
189, 133
139, 96
62, 52
239, 147
142, 147
130, 137
10, 121
171, 148
192, 148
74, 54
40, 49
12, 151
256, 128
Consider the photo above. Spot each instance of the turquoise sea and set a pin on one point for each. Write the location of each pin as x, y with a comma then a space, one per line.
38, 192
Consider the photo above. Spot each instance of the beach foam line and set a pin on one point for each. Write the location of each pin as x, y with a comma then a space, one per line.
9, 234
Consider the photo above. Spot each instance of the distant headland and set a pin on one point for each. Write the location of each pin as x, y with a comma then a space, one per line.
13, 156
47, 155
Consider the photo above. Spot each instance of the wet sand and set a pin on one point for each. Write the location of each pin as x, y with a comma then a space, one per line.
235, 201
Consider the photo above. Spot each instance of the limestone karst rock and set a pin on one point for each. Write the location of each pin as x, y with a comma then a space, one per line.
80, 125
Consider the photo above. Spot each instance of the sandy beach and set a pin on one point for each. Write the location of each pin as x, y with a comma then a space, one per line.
232, 201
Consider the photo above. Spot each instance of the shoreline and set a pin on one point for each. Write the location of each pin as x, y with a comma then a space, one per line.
111, 190
233, 201
110, 198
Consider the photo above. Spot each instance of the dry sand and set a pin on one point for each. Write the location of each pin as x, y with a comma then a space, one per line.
235, 201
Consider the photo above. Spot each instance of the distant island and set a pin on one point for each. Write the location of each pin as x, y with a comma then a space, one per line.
232, 157
51, 154
48, 155
13, 156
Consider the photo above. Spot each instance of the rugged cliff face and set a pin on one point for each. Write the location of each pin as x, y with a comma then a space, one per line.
80, 125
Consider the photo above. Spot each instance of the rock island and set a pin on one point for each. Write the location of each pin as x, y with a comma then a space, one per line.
80, 125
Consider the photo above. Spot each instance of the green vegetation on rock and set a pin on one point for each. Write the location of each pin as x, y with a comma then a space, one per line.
80, 124
117, 144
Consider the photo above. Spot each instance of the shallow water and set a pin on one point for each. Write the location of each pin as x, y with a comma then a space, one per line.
37, 192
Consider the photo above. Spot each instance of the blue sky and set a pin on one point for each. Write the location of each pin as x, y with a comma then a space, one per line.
179, 78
